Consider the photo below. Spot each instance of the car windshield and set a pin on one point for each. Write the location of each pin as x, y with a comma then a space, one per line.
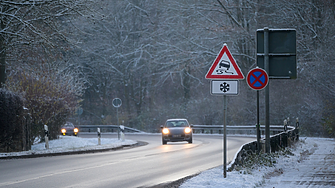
177, 123
68, 125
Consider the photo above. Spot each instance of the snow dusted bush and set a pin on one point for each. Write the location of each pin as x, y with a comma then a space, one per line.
48, 99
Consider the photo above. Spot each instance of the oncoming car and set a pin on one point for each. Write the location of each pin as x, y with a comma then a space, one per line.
176, 130
69, 129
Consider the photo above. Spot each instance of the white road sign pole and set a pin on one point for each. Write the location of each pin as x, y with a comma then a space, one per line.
117, 103
224, 136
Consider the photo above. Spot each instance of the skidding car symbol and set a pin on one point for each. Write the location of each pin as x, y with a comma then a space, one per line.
226, 65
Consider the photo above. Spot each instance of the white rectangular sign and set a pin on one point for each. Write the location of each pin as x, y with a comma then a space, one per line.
224, 87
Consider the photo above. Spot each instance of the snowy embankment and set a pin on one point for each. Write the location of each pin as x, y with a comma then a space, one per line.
67, 144
288, 169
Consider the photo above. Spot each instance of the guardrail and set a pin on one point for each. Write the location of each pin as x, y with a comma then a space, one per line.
203, 129
278, 141
105, 128
237, 129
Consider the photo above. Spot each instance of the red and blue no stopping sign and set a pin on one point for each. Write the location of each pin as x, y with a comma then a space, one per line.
257, 79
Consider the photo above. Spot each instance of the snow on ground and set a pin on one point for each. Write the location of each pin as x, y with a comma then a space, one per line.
313, 159
70, 144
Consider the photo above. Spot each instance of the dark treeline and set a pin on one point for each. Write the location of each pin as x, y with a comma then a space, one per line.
154, 55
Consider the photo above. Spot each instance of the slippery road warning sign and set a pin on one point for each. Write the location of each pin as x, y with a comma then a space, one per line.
225, 67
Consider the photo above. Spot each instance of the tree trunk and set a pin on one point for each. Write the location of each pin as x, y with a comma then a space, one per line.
2, 57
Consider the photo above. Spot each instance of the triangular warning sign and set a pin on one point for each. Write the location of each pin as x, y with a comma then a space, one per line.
225, 67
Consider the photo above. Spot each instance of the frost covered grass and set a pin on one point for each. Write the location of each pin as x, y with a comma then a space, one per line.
255, 161
72, 143
248, 175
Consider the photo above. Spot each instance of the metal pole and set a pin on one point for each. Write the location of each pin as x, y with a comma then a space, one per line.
224, 136
267, 103
118, 127
258, 126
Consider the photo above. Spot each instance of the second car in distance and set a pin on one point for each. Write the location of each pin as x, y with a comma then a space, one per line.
69, 129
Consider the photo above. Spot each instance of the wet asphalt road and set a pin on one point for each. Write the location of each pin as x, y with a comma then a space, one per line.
142, 166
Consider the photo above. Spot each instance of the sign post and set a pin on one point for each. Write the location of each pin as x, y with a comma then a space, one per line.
225, 136
228, 72
257, 79
117, 103
276, 53
267, 93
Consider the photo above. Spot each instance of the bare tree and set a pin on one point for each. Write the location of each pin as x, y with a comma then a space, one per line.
155, 55
33, 53
33, 25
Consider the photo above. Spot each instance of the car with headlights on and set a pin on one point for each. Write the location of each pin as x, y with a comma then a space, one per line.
69, 129
176, 130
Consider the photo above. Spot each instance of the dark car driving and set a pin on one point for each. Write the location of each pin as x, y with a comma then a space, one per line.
69, 129
176, 130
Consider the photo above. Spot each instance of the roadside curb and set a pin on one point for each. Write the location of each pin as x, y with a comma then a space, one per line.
33, 155
173, 184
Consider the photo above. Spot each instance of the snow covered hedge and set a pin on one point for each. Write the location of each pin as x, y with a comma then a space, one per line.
48, 99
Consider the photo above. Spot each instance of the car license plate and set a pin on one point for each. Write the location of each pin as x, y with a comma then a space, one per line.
177, 135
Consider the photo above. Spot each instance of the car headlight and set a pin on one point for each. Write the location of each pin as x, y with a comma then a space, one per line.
76, 130
165, 131
187, 130
63, 131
